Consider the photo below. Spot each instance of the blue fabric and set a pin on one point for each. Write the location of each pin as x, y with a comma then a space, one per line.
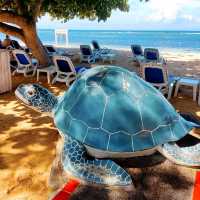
154, 75
22, 59
86, 51
173, 78
151, 55
136, 50
95, 45
63, 66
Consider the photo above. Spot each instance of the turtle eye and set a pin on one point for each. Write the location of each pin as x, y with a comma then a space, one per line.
31, 92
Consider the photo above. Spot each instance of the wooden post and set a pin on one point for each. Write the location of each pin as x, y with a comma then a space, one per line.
5, 73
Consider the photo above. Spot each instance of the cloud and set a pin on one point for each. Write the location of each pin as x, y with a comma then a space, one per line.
169, 10
187, 17
155, 14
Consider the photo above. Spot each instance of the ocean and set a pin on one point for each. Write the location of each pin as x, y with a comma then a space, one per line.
187, 41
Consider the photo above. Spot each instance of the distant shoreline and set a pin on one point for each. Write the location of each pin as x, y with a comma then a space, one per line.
184, 41
128, 48
122, 30
175, 41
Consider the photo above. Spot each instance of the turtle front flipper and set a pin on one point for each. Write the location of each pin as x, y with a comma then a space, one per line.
76, 162
187, 156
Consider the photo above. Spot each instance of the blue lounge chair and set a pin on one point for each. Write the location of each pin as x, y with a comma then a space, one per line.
151, 55
50, 50
97, 48
87, 55
65, 70
157, 75
103, 53
25, 65
137, 52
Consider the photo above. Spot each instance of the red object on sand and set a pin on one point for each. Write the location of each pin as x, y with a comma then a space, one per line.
66, 191
196, 193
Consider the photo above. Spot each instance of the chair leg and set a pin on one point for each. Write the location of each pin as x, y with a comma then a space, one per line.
169, 93
176, 90
34, 71
25, 74
54, 80
48, 77
194, 93
67, 83
38, 74
14, 72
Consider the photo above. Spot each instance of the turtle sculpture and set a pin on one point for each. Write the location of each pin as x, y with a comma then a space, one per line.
110, 112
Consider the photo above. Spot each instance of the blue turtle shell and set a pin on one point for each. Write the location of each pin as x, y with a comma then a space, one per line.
110, 108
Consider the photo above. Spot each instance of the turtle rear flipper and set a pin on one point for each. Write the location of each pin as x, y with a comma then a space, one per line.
77, 163
186, 155
191, 122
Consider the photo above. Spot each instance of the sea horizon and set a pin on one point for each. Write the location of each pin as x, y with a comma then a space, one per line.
184, 41
187, 41
137, 30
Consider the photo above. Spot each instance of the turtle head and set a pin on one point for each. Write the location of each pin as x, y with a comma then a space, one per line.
36, 97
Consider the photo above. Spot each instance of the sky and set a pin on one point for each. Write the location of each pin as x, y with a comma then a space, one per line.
152, 15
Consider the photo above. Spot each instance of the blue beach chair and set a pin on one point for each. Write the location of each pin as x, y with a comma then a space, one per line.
157, 75
137, 52
103, 54
151, 55
25, 65
50, 50
65, 70
87, 55
97, 48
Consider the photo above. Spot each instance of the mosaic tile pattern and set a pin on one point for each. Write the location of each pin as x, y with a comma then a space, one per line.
112, 109
76, 161
189, 156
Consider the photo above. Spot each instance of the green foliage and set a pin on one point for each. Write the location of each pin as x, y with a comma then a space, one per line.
65, 9
91, 9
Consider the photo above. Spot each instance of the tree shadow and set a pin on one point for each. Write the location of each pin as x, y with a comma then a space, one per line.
141, 161
38, 143
162, 182
29, 139
150, 184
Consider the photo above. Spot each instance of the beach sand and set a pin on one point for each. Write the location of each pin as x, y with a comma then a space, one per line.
28, 142
179, 63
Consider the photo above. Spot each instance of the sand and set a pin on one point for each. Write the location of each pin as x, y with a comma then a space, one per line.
28, 141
